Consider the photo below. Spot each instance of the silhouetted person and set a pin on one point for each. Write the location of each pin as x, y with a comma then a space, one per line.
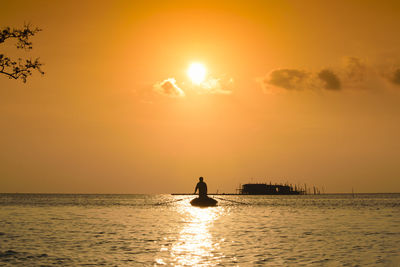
202, 186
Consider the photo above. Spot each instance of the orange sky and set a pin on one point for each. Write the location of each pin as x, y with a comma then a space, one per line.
297, 91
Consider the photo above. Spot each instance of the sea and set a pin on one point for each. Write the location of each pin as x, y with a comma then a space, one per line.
158, 230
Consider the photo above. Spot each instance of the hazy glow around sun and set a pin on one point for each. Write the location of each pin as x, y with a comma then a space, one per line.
197, 72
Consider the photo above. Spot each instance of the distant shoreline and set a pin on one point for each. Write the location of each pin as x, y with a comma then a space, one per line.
190, 194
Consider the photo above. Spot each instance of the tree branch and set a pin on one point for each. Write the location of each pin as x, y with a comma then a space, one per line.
22, 35
20, 69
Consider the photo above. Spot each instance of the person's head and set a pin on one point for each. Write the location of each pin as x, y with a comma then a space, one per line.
201, 179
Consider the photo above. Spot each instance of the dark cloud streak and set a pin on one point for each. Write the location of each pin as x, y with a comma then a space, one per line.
287, 78
331, 80
396, 77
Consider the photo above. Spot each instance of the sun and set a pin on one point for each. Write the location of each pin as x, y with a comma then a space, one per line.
197, 72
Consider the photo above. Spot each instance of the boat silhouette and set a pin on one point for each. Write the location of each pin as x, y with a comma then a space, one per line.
203, 202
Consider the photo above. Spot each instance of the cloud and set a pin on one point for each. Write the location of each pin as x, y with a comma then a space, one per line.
294, 79
169, 88
287, 78
353, 74
396, 77
355, 69
216, 86
330, 79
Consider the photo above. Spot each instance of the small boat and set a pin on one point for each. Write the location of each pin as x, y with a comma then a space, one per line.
203, 202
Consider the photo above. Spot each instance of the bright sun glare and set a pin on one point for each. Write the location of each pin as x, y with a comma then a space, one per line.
197, 73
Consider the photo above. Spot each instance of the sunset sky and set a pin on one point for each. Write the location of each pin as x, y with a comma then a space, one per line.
291, 91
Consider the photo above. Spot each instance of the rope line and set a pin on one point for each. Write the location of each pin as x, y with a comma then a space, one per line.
168, 202
237, 202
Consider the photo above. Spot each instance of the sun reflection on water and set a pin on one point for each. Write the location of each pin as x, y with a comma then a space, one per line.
194, 245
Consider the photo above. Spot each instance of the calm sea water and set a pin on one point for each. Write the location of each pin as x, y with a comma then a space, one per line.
135, 230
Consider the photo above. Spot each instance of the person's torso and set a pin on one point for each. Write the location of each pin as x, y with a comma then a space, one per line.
202, 187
